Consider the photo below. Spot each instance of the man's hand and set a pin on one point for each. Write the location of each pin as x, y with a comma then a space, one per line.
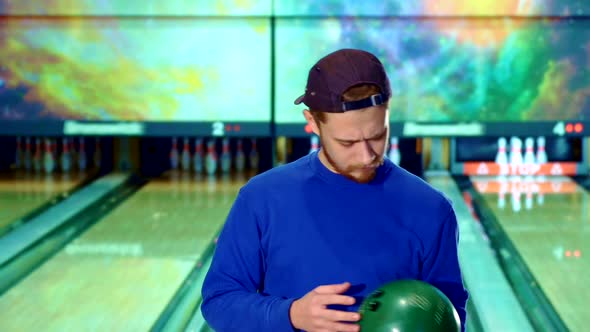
310, 312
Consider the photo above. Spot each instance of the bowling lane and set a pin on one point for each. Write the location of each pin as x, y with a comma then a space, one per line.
21, 193
121, 273
549, 224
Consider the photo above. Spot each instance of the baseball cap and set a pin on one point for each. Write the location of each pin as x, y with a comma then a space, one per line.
338, 71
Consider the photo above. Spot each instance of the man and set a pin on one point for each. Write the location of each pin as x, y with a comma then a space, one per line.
306, 242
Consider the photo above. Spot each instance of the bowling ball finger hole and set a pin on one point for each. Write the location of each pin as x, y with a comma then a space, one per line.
373, 305
376, 294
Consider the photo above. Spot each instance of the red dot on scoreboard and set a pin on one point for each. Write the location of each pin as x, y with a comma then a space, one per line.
308, 129
577, 253
568, 253
578, 127
569, 127
237, 128
228, 127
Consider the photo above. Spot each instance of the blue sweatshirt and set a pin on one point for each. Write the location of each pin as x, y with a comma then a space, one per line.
299, 226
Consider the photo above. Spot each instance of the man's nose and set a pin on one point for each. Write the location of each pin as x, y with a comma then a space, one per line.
367, 153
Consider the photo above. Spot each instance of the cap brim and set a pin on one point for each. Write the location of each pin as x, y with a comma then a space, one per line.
300, 99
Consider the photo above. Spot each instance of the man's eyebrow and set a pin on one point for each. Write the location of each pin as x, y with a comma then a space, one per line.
344, 140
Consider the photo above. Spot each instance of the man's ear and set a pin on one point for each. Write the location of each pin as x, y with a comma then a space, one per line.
311, 122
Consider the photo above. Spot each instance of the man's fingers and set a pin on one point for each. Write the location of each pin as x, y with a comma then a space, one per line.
332, 320
333, 289
340, 327
334, 299
341, 316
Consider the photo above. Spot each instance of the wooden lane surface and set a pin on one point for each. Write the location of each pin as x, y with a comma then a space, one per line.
21, 193
121, 273
553, 239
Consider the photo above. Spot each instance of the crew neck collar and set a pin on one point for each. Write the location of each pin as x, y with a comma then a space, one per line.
333, 178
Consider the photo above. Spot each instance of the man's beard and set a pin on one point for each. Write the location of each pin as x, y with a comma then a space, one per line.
364, 177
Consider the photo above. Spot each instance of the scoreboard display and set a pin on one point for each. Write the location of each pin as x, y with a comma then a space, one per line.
487, 75
435, 8
284, 8
234, 67
137, 7
135, 76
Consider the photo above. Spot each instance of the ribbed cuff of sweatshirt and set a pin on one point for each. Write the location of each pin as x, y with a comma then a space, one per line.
283, 322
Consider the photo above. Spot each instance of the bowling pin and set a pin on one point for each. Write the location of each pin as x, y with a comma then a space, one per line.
529, 155
240, 157
74, 155
510, 146
516, 158
315, 144
186, 155
38, 157
394, 153
211, 158
541, 153
82, 162
502, 157
66, 162
174, 158
516, 151
541, 158
225, 156
48, 157
198, 156
254, 155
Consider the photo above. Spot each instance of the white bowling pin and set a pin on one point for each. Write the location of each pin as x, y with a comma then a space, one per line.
240, 157
225, 156
174, 158
66, 162
198, 156
516, 151
82, 160
394, 153
186, 155
38, 157
211, 158
314, 144
501, 155
529, 155
541, 153
254, 159
48, 157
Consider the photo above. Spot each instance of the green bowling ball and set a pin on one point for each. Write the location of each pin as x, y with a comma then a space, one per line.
408, 306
